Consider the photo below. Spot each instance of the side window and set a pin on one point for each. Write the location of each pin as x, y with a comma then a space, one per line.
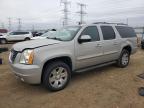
108, 32
20, 33
24, 33
12, 33
15, 33
126, 32
91, 31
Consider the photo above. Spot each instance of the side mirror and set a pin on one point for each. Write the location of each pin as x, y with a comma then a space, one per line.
84, 38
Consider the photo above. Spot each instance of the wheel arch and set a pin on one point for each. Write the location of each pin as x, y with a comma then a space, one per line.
27, 38
128, 48
64, 59
3, 39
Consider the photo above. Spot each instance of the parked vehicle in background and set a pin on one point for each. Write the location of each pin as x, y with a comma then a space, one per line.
35, 34
45, 35
3, 32
15, 36
72, 49
142, 42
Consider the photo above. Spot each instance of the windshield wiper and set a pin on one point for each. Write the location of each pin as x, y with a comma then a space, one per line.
55, 38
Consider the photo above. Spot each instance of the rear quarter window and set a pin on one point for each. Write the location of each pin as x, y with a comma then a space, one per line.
126, 32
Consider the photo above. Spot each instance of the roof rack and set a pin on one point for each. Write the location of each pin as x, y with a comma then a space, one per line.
109, 23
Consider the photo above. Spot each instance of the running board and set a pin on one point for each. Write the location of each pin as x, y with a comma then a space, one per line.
94, 67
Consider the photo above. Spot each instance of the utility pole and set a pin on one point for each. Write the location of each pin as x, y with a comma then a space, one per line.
19, 24
127, 20
9, 24
143, 32
65, 11
81, 12
33, 28
2, 25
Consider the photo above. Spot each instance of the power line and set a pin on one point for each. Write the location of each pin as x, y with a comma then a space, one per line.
65, 11
81, 12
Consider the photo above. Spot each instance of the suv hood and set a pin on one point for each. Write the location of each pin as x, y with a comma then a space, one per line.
34, 44
38, 37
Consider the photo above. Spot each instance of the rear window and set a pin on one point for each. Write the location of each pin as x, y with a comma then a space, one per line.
126, 32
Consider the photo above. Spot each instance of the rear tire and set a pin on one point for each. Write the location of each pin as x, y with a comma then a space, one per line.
124, 59
26, 39
56, 76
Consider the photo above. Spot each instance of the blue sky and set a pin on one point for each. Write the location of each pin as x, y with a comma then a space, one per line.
47, 13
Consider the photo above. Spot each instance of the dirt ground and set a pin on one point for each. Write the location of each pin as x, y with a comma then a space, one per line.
107, 87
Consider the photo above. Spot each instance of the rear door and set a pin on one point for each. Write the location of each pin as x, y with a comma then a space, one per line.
110, 43
12, 36
19, 35
89, 53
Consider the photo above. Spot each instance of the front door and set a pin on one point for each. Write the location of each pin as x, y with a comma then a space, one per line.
89, 53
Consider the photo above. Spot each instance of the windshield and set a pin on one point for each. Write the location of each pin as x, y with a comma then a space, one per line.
64, 34
47, 34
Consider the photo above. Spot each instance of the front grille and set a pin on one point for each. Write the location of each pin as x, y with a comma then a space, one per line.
13, 55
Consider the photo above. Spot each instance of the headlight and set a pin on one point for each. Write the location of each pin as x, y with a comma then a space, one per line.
27, 57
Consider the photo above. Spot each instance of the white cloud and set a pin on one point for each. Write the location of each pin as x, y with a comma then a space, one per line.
49, 12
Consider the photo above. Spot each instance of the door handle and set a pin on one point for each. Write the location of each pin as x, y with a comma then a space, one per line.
98, 45
115, 43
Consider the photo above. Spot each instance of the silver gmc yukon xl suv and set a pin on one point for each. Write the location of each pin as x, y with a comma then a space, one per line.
71, 49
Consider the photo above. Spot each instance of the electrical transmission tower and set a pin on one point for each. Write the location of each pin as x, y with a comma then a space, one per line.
127, 21
9, 24
19, 24
81, 12
2, 25
65, 11
33, 27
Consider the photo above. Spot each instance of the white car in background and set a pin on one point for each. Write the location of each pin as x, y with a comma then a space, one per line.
44, 36
15, 36
1, 34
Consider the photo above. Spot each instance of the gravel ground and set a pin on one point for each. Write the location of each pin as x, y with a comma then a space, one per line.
107, 87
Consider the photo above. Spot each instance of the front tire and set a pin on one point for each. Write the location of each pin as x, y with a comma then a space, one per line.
3, 41
124, 59
56, 76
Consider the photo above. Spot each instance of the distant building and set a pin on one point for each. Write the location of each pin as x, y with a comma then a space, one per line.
3, 30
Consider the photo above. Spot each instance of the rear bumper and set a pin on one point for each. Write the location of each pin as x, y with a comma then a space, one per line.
27, 73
